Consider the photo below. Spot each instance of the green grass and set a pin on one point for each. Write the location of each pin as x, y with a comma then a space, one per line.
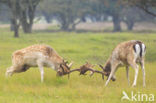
78, 47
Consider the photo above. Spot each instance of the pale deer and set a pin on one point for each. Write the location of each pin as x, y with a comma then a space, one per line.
38, 55
127, 54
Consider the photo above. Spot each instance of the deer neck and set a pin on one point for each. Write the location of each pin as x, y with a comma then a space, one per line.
107, 67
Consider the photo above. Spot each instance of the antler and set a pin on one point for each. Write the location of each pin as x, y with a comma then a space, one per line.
106, 73
87, 67
101, 66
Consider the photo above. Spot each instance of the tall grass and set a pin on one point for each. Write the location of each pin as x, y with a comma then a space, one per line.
78, 47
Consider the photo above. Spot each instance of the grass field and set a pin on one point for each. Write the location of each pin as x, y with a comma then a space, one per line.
78, 47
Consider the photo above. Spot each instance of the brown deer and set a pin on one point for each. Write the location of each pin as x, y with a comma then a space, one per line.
38, 55
128, 53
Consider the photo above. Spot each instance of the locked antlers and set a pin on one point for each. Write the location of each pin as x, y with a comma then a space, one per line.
88, 67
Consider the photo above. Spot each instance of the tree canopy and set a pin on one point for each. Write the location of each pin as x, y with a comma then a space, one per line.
69, 13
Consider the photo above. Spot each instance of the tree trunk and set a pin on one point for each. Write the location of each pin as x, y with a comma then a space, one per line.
14, 18
74, 25
116, 23
16, 34
47, 17
26, 26
14, 24
27, 18
15, 27
64, 24
65, 27
11, 25
130, 25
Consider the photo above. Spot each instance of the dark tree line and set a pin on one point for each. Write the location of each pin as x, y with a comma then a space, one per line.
69, 13
72, 12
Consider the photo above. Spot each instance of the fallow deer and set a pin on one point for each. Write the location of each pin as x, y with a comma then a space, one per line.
38, 55
128, 53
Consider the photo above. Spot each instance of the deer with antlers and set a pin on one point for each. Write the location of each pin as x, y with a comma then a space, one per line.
128, 53
38, 55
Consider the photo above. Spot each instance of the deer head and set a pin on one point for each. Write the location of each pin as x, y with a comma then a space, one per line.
64, 68
107, 70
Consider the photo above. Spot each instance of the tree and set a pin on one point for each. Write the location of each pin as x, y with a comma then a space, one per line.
112, 8
132, 14
27, 13
149, 6
129, 18
14, 7
69, 12
22, 13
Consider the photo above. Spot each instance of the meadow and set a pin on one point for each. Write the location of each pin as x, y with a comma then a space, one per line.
78, 47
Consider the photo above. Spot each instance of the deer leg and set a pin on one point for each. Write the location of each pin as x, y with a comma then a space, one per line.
9, 71
113, 70
127, 74
143, 72
40, 65
13, 69
114, 77
136, 68
110, 76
